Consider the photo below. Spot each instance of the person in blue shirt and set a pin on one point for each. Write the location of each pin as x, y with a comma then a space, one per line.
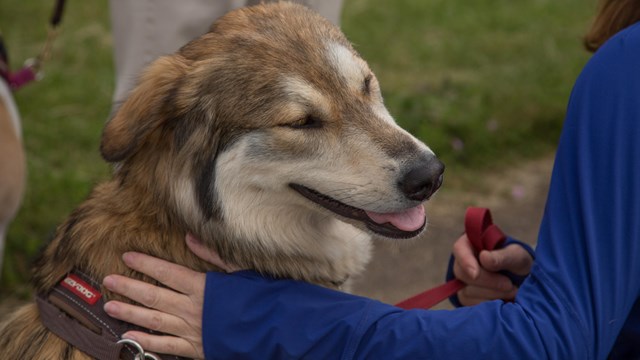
581, 299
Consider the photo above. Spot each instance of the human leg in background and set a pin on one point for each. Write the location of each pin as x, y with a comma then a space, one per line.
146, 29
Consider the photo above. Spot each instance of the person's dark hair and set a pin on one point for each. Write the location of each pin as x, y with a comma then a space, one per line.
612, 16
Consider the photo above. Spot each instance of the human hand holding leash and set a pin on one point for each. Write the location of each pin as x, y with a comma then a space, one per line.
481, 235
481, 272
177, 313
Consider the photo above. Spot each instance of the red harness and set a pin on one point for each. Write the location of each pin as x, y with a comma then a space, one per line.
484, 235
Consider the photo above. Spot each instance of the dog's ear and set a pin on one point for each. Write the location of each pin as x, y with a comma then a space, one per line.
144, 110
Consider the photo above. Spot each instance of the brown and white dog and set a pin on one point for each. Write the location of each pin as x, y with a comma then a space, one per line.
12, 163
268, 139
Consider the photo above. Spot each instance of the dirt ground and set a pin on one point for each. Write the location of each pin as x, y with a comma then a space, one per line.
398, 270
516, 198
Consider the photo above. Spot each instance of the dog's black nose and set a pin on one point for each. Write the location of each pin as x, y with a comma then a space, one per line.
420, 182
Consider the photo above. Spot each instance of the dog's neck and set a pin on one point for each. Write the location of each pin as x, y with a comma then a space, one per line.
111, 221
293, 242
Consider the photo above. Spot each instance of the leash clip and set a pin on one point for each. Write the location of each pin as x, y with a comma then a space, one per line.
141, 355
35, 65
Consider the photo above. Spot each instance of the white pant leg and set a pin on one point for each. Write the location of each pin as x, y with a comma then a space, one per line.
143, 30
146, 29
331, 9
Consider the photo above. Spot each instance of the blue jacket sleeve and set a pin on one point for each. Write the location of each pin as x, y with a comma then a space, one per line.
581, 291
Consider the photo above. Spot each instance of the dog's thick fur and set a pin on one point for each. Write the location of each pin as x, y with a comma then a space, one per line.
214, 141
12, 163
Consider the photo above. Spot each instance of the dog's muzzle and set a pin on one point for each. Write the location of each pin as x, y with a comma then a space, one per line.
417, 184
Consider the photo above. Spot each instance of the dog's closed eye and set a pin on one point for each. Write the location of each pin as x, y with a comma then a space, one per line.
366, 86
307, 122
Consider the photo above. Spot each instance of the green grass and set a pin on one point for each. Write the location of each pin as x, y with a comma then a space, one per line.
62, 118
491, 75
484, 83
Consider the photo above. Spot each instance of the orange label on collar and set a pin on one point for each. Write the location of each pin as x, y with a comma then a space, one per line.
81, 289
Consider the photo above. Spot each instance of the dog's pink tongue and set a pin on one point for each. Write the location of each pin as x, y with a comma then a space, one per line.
408, 220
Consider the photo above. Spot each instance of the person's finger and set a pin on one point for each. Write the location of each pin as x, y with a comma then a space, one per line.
172, 275
152, 319
466, 264
513, 258
149, 295
485, 279
165, 344
208, 255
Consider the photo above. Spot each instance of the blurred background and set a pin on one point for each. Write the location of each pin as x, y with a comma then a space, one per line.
484, 83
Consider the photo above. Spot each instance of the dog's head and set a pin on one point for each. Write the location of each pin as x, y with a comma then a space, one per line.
268, 121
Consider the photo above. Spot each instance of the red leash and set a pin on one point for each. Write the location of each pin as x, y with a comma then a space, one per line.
484, 235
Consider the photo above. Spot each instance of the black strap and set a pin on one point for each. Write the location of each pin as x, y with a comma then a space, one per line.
4, 60
56, 16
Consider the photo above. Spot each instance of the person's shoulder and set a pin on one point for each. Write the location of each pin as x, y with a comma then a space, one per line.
629, 36
615, 63
623, 46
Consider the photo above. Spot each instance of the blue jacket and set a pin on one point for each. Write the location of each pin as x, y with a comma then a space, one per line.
584, 285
